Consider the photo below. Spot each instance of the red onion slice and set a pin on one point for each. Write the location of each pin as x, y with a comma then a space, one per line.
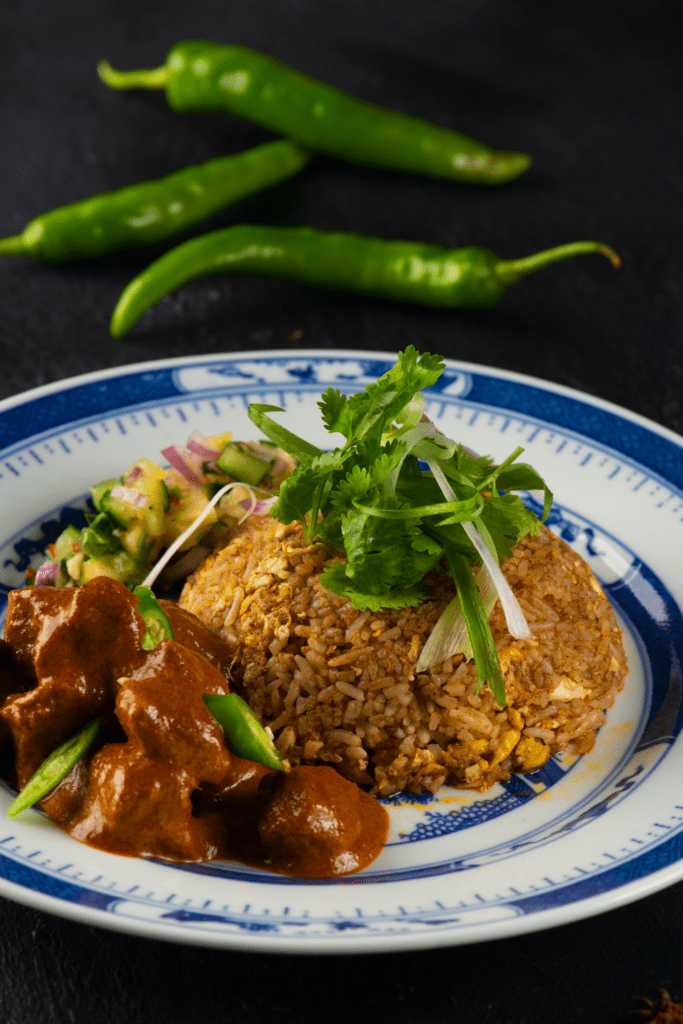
46, 575
263, 506
185, 463
199, 445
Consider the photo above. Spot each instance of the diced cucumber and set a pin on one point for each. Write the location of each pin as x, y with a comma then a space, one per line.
63, 578
74, 565
121, 512
64, 545
99, 537
121, 566
243, 465
136, 541
98, 492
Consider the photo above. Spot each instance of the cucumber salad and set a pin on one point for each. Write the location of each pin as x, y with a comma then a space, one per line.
211, 483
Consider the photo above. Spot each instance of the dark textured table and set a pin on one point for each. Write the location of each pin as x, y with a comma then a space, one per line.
593, 91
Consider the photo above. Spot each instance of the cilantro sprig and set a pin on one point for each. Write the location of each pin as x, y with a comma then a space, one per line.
396, 520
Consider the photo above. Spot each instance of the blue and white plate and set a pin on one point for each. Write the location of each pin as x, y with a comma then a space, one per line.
575, 839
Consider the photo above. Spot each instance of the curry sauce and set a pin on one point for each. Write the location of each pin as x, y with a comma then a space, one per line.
160, 781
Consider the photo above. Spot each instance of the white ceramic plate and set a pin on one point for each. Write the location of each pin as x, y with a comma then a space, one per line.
570, 841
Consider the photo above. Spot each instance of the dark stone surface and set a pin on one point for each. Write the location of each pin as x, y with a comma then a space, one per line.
593, 91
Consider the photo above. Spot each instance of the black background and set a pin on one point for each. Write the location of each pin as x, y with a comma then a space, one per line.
592, 90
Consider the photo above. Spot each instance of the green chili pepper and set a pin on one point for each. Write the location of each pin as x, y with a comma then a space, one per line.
244, 734
201, 76
154, 210
55, 768
158, 626
407, 271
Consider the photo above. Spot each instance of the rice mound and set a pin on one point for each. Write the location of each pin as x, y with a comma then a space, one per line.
338, 686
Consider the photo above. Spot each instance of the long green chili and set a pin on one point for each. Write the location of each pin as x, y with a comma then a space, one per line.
205, 76
152, 211
408, 271
55, 767
158, 626
244, 734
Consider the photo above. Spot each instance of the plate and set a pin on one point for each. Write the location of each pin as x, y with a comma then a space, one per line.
576, 838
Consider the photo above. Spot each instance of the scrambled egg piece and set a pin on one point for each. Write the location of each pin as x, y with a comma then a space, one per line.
567, 689
532, 753
506, 744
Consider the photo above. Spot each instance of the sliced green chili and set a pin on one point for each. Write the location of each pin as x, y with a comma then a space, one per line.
154, 210
158, 626
407, 271
55, 768
204, 76
244, 734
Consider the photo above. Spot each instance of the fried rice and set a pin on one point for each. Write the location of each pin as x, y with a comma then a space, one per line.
339, 686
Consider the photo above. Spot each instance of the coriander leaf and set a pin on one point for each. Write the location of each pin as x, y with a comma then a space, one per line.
369, 412
360, 479
336, 580
523, 477
335, 415
411, 414
428, 544
297, 494
330, 529
381, 555
394, 566
422, 489
368, 419
412, 372
357, 482
326, 462
302, 494
452, 536
508, 519
475, 468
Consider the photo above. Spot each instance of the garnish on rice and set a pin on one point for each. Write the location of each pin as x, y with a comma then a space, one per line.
396, 520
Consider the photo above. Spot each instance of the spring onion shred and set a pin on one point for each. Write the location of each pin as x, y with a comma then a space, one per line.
514, 616
450, 636
179, 541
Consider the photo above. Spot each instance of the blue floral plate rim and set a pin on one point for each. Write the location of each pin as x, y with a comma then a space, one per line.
410, 913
